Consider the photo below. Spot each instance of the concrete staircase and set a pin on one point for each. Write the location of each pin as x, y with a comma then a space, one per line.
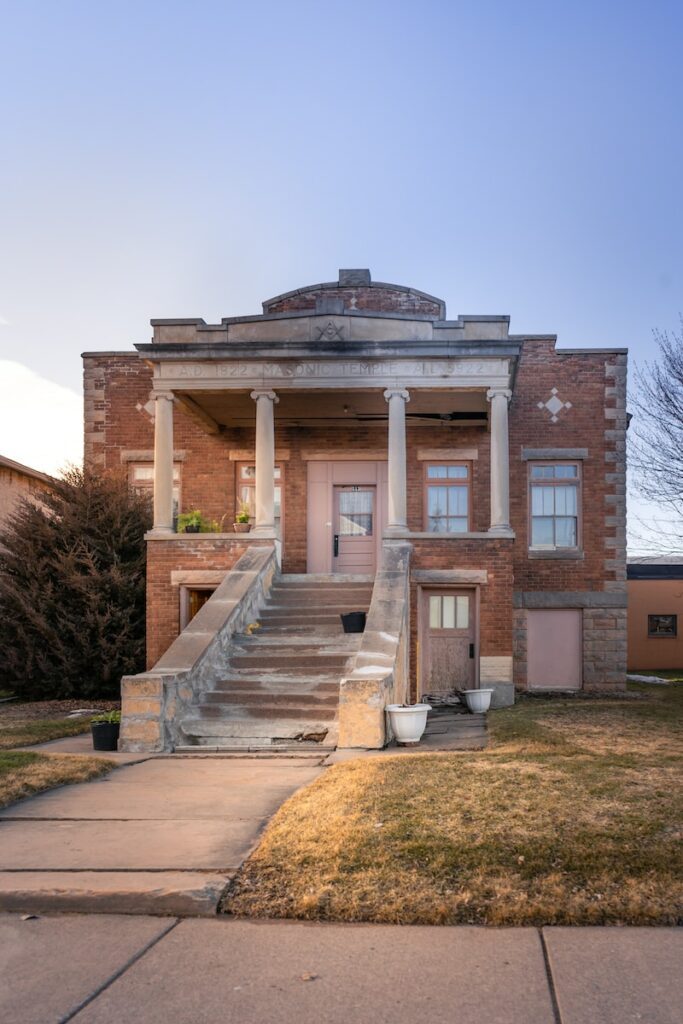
280, 690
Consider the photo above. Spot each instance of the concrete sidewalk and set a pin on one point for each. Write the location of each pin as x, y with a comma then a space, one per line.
163, 836
106, 969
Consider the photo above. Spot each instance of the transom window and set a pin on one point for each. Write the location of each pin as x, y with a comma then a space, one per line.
554, 505
246, 490
449, 611
662, 625
447, 497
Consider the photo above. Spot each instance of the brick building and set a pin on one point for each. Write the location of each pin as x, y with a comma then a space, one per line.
464, 484
18, 482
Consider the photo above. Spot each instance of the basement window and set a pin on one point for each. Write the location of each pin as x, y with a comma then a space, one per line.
662, 626
191, 600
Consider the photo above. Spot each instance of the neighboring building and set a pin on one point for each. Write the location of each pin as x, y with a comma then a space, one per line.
17, 482
655, 613
477, 477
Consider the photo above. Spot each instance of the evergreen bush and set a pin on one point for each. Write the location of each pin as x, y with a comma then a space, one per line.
72, 589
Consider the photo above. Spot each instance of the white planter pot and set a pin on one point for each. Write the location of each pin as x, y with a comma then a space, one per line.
478, 701
409, 723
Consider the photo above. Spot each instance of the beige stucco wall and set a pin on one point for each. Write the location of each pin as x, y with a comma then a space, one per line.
654, 597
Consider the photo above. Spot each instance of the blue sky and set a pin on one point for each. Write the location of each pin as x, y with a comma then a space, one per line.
191, 159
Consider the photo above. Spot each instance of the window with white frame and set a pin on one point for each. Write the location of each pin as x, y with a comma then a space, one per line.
447, 497
141, 477
554, 505
246, 490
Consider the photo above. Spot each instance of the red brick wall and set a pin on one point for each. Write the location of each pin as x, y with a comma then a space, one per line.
580, 379
495, 596
163, 599
118, 388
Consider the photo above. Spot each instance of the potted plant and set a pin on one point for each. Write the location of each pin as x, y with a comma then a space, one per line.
105, 730
408, 722
242, 522
190, 522
478, 701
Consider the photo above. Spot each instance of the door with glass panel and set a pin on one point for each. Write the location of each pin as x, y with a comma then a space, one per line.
447, 637
354, 540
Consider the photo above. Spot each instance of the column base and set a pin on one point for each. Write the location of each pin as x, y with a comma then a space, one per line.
267, 532
501, 531
395, 530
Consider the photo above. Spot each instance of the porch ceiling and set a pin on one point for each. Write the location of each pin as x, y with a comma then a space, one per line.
426, 407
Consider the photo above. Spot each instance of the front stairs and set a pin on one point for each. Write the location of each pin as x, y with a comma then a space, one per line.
280, 690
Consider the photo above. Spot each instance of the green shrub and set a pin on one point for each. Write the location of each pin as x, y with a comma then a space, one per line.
72, 589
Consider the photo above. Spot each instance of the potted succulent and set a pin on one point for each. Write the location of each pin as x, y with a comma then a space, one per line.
242, 522
105, 730
190, 522
408, 722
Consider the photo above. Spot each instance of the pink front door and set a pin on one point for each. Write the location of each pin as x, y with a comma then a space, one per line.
354, 526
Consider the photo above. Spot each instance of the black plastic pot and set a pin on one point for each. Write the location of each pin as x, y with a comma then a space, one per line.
354, 622
105, 735
192, 529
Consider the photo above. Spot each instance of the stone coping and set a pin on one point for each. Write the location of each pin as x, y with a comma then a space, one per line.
192, 538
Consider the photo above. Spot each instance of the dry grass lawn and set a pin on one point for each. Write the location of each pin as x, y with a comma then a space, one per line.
24, 774
572, 816
26, 733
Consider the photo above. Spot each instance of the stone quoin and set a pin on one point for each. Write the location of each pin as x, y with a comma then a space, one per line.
461, 485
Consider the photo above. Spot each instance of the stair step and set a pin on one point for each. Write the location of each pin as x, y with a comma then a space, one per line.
225, 699
283, 683
267, 709
221, 745
255, 659
259, 729
298, 618
338, 578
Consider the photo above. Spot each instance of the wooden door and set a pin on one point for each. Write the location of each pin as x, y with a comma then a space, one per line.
354, 529
447, 637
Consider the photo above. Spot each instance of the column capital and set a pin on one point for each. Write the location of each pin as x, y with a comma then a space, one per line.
496, 392
264, 393
397, 393
168, 395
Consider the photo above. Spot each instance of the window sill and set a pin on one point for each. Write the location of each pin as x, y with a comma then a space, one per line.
430, 535
575, 554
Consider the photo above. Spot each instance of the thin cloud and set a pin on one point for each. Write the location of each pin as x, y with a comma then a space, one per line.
41, 422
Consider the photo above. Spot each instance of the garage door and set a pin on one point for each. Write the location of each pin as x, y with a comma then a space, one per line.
554, 649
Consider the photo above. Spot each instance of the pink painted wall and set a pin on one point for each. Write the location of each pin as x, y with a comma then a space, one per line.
554, 649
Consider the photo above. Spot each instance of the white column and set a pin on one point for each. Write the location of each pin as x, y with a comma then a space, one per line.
500, 460
265, 460
398, 491
163, 462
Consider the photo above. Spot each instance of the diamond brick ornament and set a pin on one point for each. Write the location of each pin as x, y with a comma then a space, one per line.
554, 405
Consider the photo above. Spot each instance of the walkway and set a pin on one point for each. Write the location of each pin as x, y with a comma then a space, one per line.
118, 970
163, 835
